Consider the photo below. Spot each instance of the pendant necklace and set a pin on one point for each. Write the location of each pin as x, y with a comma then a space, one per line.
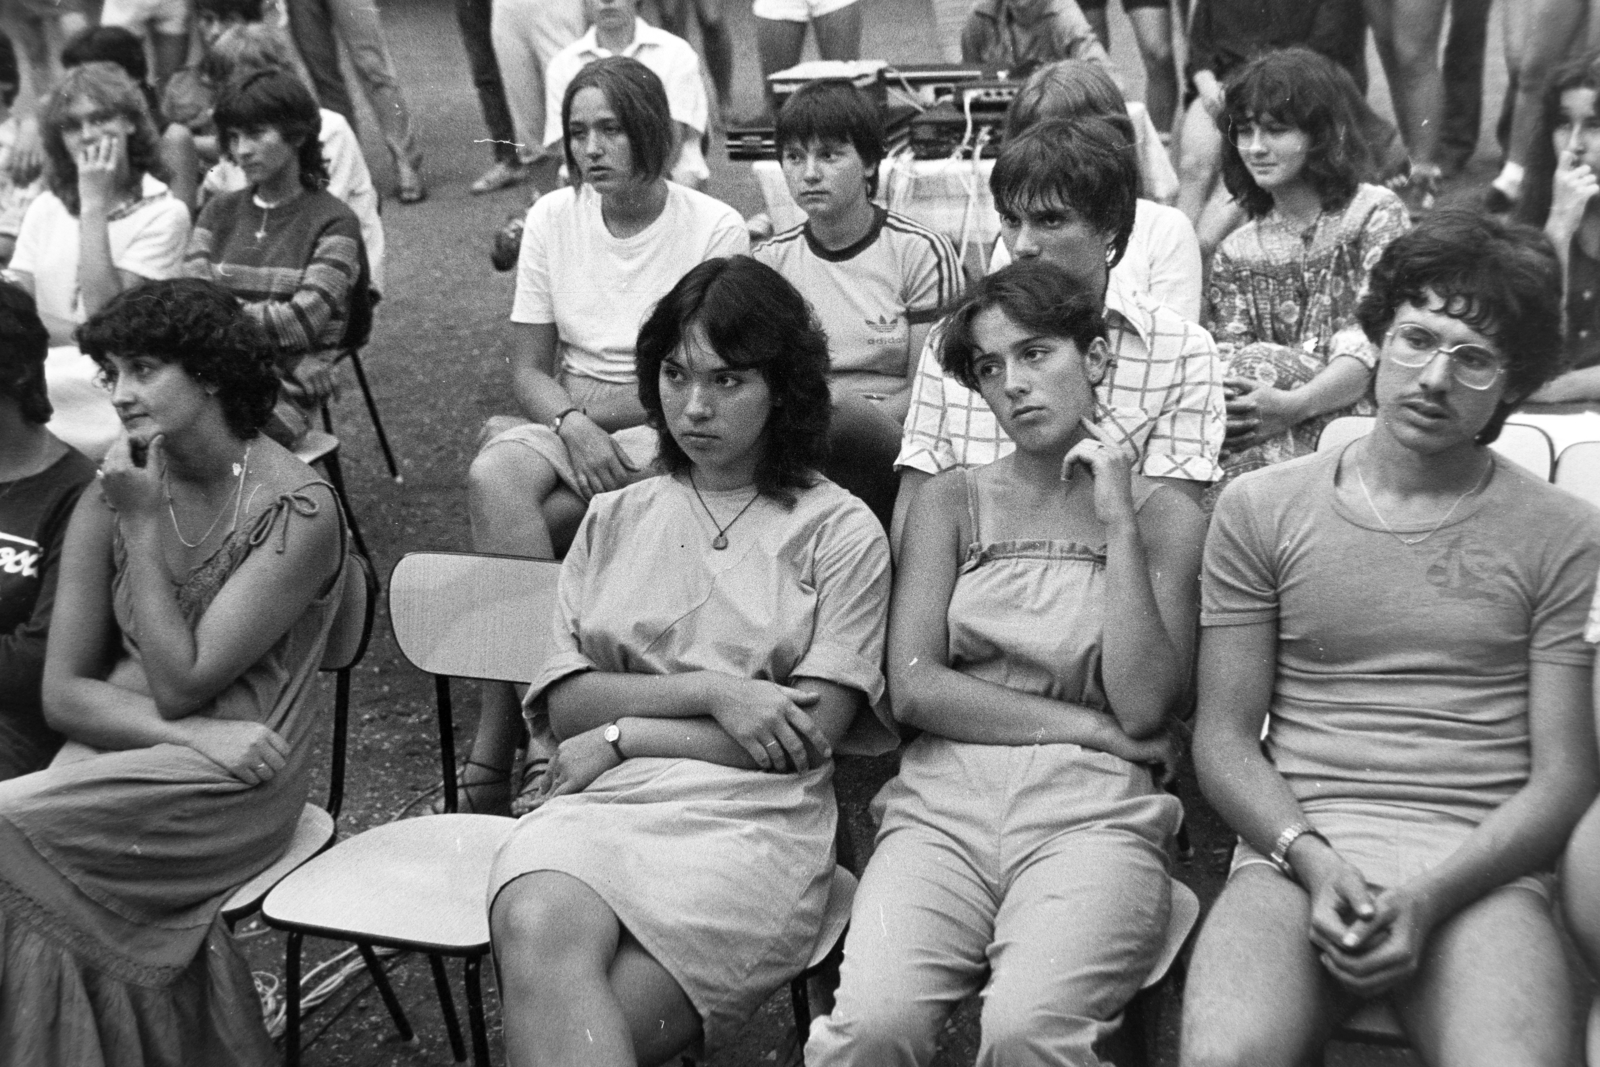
1409, 541
720, 542
238, 497
266, 209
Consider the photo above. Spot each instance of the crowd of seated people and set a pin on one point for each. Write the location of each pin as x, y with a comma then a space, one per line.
835, 493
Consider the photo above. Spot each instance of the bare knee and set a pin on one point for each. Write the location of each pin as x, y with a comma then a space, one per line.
546, 924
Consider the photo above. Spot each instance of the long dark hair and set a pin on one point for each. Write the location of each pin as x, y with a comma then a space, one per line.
752, 318
1581, 72
1299, 88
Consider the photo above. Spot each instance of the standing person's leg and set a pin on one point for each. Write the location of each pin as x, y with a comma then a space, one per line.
311, 27
1549, 28
949, 18
1152, 28
1256, 992
358, 24
779, 43
1199, 160
717, 46
472, 17
1095, 12
1407, 36
839, 31
511, 33
1075, 937
1463, 82
554, 24
1492, 988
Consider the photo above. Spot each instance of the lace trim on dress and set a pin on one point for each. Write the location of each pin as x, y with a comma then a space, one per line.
53, 928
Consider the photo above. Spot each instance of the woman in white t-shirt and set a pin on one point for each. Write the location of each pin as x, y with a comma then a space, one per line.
596, 257
105, 223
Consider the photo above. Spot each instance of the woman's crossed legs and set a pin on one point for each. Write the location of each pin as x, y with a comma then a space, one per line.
577, 987
1492, 989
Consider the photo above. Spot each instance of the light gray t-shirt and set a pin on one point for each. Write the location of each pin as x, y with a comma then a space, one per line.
1403, 669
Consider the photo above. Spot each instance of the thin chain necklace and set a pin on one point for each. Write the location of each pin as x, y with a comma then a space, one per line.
266, 209
238, 498
720, 542
1409, 541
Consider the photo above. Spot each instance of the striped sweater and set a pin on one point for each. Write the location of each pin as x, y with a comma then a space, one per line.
294, 266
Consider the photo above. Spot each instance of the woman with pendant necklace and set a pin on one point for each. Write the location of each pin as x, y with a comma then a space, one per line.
1405, 616
285, 246
719, 627
199, 581
1284, 286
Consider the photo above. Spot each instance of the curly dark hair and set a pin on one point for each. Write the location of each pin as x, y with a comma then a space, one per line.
1299, 88
833, 112
24, 342
1084, 164
107, 86
275, 98
1500, 278
636, 94
752, 318
201, 327
1038, 296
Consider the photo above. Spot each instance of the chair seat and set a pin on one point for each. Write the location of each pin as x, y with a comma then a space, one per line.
1373, 1022
835, 915
315, 445
313, 833
1183, 913
415, 884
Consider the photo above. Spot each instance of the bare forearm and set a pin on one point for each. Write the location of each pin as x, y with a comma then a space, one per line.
1244, 787
700, 739
108, 717
935, 698
166, 644
97, 275
1144, 670
1341, 383
595, 698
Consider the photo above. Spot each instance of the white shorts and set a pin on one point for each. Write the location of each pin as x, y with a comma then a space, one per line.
168, 17
796, 10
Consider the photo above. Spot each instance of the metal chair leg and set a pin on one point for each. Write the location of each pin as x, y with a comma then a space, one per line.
480, 1029
291, 981
381, 979
336, 476
447, 1007
377, 423
800, 1000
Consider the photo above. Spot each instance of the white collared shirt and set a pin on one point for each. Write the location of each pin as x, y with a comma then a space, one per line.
672, 58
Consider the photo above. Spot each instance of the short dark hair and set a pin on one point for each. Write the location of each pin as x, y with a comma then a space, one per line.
1081, 163
108, 44
752, 318
276, 98
109, 87
230, 10
205, 330
24, 343
636, 94
1035, 294
244, 48
1299, 88
1500, 278
833, 112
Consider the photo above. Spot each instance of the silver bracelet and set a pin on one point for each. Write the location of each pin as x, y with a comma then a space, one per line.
1280, 848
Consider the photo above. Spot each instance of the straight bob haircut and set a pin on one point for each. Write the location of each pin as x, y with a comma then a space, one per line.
108, 87
833, 113
1083, 164
752, 318
202, 328
1500, 278
1299, 88
24, 343
637, 96
1036, 295
276, 98
1581, 72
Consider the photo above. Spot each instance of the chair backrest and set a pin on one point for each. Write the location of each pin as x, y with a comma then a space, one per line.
1527, 446
347, 644
1578, 471
462, 615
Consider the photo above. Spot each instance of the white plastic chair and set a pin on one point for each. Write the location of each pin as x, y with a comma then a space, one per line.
1527, 446
1578, 471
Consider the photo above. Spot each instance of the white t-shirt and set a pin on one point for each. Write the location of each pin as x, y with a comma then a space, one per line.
672, 58
348, 179
598, 289
147, 239
1162, 259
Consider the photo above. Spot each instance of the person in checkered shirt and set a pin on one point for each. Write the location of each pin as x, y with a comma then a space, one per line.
1066, 191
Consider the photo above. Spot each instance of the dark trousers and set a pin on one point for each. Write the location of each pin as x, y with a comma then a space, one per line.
1463, 80
473, 18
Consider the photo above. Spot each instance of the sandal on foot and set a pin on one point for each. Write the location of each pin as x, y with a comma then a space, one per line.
528, 795
470, 798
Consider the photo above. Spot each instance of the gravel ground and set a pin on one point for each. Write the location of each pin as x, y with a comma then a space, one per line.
438, 369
